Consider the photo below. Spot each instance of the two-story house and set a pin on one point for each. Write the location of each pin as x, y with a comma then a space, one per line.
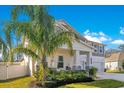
86, 54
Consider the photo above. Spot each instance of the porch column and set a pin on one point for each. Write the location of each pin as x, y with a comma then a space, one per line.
77, 60
89, 59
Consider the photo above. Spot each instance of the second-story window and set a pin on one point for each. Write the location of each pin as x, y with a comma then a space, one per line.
101, 49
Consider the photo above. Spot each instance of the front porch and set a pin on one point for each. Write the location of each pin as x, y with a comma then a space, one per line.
62, 60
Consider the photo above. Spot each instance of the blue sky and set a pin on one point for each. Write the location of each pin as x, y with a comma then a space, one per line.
98, 23
103, 24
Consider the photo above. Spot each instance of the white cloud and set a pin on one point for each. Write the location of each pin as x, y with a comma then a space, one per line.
101, 34
95, 39
96, 36
103, 39
118, 42
122, 30
88, 32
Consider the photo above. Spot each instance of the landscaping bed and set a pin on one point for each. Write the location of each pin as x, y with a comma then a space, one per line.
56, 79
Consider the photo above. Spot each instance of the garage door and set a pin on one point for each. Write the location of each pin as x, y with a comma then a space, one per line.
99, 66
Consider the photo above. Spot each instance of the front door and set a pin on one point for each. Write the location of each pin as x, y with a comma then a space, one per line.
83, 60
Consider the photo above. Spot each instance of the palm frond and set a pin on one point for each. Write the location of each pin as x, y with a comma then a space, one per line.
58, 39
27, 52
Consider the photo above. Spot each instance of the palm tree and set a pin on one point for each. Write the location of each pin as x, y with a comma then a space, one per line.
41, 34
7, 43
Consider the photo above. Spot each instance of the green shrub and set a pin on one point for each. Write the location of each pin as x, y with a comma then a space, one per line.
54, 84
92, 72
50, 84
55, 79
72, 75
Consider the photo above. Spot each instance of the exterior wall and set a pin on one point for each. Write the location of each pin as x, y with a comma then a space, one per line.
98, 59
111, 65
3, 72
68, 59
8, 71
78, 46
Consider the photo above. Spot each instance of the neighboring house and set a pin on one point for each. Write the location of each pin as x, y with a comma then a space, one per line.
86, 54
113, 61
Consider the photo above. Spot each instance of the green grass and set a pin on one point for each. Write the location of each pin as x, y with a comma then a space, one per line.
24, 83
106, 83
16, 83
115, 71
122, 72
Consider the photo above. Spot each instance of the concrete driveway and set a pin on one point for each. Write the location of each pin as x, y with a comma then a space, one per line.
115, 76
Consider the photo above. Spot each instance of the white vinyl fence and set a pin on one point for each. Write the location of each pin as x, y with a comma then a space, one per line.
13, 70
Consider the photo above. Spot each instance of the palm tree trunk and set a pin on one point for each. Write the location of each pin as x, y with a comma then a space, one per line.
44, 70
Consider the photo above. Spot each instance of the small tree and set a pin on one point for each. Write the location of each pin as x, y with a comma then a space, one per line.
92, 72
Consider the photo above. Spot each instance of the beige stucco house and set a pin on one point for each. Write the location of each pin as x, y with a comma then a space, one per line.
86, 54
113, 61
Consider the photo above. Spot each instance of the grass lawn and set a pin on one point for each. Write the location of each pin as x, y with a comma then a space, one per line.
24, 83
115, 71
16, 83
122, 72
106, 83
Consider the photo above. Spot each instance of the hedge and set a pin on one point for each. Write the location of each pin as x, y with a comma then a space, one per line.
56, 79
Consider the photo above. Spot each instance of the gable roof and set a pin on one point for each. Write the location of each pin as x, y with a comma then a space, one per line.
67, 27
64, 25
112, 57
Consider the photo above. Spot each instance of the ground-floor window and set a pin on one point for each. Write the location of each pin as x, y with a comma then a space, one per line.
60, 62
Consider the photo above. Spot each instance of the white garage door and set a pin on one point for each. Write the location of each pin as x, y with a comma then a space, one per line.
99, 66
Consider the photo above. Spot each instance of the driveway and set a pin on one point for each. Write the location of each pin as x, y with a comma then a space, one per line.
115, 76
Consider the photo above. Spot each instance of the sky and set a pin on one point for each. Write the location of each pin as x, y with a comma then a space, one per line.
103, 24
